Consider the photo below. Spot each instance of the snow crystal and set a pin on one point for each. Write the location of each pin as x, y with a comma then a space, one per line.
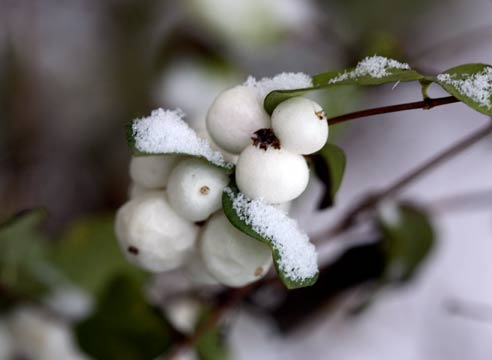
165, 132
373, 66
298, 257
283, 81
477, 87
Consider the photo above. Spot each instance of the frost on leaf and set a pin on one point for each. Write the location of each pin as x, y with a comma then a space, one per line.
295, 257
374, 66
477, 86
283, 81
165, 132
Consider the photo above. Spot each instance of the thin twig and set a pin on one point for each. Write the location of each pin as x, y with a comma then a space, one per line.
424, 104
372, 200
233, 298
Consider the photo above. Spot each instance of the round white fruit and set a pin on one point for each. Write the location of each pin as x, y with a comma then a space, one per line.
301, 126
136, 190
195, 189
152, 171
234, 116
151, 235
274, 175
232, 257
196, 271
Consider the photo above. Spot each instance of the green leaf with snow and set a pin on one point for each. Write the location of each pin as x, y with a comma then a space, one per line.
375, 70
165, 132
24, 268
408, 238
294, 256
329, 165
471, 84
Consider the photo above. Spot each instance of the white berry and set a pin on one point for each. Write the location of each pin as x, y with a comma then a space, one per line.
234, 116
274, 175
301, 126
151, 235
195, 189
232, 257
196, 271
152, 171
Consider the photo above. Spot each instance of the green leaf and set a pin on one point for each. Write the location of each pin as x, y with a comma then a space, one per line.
408, 238
471, 84
24, 269
241, 225
124, 326
89, 256
329, 165
353, 76
212, 344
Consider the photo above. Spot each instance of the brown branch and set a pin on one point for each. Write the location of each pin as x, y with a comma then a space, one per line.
232, 298
372, 200
424, 104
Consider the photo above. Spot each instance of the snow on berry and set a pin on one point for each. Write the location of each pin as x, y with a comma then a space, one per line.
477, 87
165, 132
373, 66
283, 81
297, 256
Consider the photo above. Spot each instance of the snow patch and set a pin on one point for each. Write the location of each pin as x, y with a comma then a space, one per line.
373, 66
165, 132
298, 257
283, 81
477, 87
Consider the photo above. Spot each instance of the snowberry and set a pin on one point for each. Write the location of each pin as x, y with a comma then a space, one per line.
234, 116
195, 189
232, 257
37, 336
300, 125
138, 190
152, 171
271, 173
152, 235
196, 271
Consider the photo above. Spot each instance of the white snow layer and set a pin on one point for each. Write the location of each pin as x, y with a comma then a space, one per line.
477, 87
298, 257
165, 132
283, 81
373, 66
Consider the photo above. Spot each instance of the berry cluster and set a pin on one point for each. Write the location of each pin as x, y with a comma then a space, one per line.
174, 218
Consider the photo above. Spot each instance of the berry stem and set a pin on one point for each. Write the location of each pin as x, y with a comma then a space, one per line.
426, 104
233, 297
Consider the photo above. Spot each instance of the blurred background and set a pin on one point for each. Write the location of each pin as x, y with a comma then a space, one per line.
74, 72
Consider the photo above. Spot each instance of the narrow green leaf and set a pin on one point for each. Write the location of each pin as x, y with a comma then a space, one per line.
23, 255
408, 238
470, 83
88, 254
212, 344
374, 70
124, 326
329, 165
240, 224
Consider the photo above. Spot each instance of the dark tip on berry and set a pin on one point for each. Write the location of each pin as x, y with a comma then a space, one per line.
133, 250
204, 190
264, 138
320, 114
